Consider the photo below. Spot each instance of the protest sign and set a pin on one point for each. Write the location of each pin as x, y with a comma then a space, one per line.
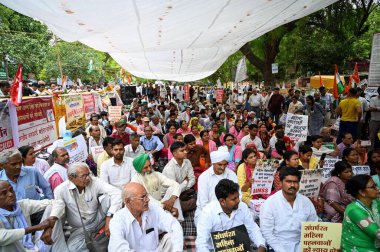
233, 239
310, 183
95, 152
361, 169
187, 93
88, 105
6, 139
105, 100
98, 102
36, 122
114, 113
321, 236
328, 166
296, 127
263, 177
77, 149
75, 117
219, 95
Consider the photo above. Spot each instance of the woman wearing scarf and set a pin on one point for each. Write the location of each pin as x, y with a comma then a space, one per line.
316, 115
235, 130
264, 136
216, 136
233, 150
15, 232
183, 128
205, 141
194, 121
243, 132
168, 139
245, 170
362, 152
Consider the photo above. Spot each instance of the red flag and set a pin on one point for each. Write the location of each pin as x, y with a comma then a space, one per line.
355, 75
320, 80
16, 87
129, 79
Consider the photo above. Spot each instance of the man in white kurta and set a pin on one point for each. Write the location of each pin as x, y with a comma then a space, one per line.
210, 178
118, 170
282, 214
225, 213
137, 226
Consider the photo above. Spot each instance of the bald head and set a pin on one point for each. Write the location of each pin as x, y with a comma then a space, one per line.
7, 196
136, 198
132, 189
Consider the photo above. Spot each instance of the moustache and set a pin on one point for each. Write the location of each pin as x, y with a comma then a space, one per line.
292, 188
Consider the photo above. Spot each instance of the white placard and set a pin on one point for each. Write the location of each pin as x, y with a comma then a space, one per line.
296, 127
361, 169
310, 183
77, 149
274, 68
328, 166
114, 113
263, 177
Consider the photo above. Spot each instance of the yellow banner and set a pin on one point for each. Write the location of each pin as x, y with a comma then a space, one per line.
320, 236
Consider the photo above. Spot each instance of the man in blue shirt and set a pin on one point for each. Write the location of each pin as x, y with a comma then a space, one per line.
26, 182
152, 144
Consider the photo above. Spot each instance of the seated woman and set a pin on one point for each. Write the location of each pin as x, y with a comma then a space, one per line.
168, 139
194, 121
362, 152
334, 192
233, 150
279, 149
235, 130
205, 141
361, 230
307, 161
291, 159
259, 154
195, 132
183, 128
245, 170
29, 159
264, 136
374, 161
176, 138
243, 132
350, 155
216, 136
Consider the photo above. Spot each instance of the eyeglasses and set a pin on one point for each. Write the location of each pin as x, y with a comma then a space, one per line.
143, 198
84, 176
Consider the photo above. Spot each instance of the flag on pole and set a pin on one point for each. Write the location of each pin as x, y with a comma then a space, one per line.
90, 67
354, 79
16, 88
338, 84
320, 80
64, 82
241, 71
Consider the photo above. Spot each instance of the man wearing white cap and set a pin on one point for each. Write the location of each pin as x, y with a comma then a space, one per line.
210, 178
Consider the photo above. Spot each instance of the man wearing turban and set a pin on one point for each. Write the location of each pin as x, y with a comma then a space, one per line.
211, 177
160, 187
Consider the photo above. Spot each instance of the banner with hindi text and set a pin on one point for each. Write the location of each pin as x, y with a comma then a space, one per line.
310, 183
296, 127
75, 117
321, 236
263, 177
88, 105
6, 138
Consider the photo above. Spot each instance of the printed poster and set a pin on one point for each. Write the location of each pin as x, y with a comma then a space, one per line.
361, 169
114, 113
6, 138
233, 239
296, 127
36, 122
328, 166
219, 95
187, 93
75, 117
321, 236
77, 149
88, 105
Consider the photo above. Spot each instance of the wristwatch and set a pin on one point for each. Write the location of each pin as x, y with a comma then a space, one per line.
110, 215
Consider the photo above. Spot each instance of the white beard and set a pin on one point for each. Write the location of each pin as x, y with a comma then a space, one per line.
152, 184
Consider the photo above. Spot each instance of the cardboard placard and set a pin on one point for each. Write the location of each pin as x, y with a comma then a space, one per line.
328, 166
321, 236
361, 169
77, 149
296, 127
310, 183
219, 95
6, 138
114, 113
263, 176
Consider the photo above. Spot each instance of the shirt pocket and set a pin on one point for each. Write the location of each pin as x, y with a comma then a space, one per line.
150, 241
30, 191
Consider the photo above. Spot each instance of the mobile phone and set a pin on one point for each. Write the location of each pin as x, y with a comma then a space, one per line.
323, 156
365, 143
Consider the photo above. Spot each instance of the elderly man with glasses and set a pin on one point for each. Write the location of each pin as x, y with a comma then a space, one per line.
82, 192
139, 225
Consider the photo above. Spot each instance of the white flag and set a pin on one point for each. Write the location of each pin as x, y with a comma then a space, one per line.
241, 71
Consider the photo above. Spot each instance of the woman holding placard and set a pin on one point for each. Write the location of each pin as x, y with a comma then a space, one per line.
361, 230
334, 193
316, 142
350, 155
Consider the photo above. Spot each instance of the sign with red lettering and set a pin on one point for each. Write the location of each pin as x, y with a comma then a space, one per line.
88, 105
6, 139
187, 93
36, 122
219, 95
263, 177
75, 117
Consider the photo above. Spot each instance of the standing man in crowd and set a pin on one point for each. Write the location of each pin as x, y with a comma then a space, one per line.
256, 101
276, 105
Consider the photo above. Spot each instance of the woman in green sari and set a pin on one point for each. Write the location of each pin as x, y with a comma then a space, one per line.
361, 223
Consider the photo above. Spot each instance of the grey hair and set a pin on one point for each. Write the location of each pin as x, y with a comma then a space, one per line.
54, 153
323, 128
126, 194
73, 168
6, 154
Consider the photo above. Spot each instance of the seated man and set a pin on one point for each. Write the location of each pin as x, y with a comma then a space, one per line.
210, 178
83, 190
197, 154
282, 214
225, 213
118, 170
58, 172
15, 231
133, 149
141, 128
106, 154
120, 133
159, 187
152, 144
180, 170
94, 121
137, 226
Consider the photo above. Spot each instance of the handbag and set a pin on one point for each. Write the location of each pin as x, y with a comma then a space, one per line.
98, 240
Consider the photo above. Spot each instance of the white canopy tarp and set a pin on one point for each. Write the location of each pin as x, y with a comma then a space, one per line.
180, 40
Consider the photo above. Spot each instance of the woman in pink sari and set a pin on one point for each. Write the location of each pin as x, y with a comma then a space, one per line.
205, 141
233, 150
235, 130
184, 130
168, 139
244, 131
215, 136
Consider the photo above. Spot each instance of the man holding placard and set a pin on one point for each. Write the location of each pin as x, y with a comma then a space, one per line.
227, 215
282, 214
